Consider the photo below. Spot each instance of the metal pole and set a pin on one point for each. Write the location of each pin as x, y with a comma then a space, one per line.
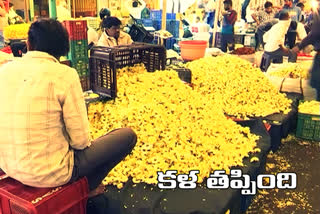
216, 17
26, 9
74, 8
164, 15
31, 7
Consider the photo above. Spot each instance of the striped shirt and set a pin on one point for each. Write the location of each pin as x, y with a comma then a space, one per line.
43, 119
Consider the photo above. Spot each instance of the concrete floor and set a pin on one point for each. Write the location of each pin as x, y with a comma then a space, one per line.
303, 158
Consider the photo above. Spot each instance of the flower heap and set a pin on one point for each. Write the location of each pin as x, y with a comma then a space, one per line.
177, 128
292, 70
19, 31
243, 91
310, 107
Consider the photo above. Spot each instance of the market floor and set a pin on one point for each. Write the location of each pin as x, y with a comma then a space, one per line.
303, 158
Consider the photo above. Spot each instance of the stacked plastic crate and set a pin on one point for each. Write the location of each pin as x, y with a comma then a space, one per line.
78, 54
173, 26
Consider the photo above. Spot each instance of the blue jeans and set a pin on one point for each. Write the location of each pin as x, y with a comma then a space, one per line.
227, 40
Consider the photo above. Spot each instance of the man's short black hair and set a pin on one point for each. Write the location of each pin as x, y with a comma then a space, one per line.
268, 4
284, 15
229, 2
300, 4
48, 35
111, 21
135, 4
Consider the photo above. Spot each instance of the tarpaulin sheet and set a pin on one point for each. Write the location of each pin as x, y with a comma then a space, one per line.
147, 199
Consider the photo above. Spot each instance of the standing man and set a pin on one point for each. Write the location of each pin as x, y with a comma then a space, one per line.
303, 13
264, 15
314, 39
227, 32
136, 8
145, 13
294, 12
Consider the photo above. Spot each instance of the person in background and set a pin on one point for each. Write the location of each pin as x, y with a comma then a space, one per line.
303, 14
3, 22
227, 32
93, 37
275, 39
203, 16
104, 13
136, 8
264, 15
313, 38
210, 9
112, 35
95, 34
294, 12
300, 33
13, 17
44, 127
145, 13
261, 30
63, 13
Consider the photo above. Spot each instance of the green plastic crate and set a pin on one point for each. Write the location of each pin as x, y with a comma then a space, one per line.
308, 127
78, 49
82, 66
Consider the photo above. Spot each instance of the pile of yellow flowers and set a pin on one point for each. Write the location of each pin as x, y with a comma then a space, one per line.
310, 107
292, 70
18, 31
242, 90
177, 128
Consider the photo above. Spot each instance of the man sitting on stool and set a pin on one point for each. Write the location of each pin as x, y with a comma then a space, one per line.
275, 39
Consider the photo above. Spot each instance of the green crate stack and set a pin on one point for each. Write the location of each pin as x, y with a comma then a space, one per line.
78, 55
308, 127
78, 49
81, 65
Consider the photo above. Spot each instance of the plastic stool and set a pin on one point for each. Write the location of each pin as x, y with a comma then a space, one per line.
18, 198
267, 60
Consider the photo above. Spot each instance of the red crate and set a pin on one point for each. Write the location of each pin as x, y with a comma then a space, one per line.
16, 198
77, 29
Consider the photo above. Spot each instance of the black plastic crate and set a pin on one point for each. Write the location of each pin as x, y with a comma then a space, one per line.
85, 83
104, 61
140, 34
185, 74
